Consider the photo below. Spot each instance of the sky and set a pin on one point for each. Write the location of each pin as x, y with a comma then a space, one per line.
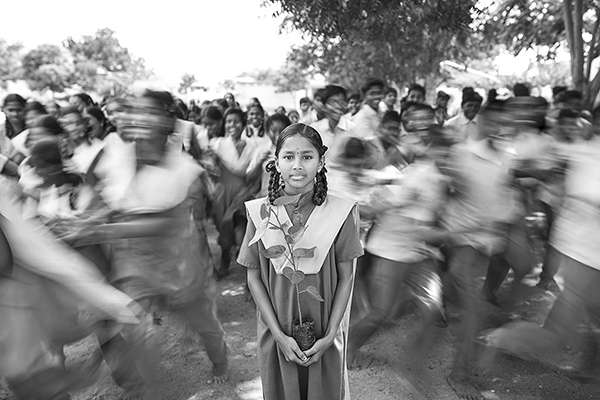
212, 39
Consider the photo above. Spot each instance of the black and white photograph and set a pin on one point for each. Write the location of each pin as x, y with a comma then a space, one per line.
300, 200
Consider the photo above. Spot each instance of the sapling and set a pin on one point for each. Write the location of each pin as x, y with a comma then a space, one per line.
292, 233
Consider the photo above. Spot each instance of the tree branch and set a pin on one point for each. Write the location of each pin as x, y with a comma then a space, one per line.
568, 17
593, 45
594, 89
578, 39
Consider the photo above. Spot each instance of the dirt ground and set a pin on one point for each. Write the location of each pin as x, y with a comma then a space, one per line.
387, 373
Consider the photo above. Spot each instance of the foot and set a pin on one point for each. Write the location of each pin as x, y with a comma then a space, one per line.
220, 374
463, 388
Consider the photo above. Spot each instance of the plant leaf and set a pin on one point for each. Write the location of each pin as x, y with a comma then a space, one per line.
260, 231
288, 272
275, 251
264, 211
314, 293
297, 277
296, 231
304, 253
283, 200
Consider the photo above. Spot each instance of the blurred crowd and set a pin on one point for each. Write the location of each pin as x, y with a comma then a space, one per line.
104, 211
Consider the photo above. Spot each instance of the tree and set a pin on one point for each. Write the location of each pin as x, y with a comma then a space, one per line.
101, 58
291, 77
396, 40
46, 67
10, 61
187, 81
549, 24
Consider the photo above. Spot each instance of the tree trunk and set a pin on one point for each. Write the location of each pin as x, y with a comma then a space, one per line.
573, 17
594, 89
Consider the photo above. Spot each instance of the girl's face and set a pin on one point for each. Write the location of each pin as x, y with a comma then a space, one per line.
147, 126
353, 106
113, 109
390, 99
335, 106
212, 126
298, 163
418, 120
390, 129
233, 126
255, 117
74, 126
14, 112
53, 109
294, 117
30, 118
373, 96
274, 131
94, 126
76, 102
36, 134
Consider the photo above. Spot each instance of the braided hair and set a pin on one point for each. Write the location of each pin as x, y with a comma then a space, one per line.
276, 185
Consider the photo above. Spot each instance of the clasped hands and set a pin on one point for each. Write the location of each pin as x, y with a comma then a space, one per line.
292, 353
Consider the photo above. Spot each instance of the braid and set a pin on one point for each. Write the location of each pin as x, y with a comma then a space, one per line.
274, 181
320, 191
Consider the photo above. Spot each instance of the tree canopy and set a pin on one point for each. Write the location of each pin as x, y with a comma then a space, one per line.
397, 40
549, 24
96, 63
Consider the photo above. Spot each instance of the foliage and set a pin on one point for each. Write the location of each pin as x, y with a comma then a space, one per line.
396, 40
288, 78
97, 63
187, 81
291, 234
529, 24
46, 67
10, 61
101, 58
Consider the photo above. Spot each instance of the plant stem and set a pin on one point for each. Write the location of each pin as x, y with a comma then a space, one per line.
286, 242
299, 309
293, 261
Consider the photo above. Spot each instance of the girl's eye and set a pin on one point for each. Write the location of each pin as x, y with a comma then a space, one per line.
288, 157
308, 157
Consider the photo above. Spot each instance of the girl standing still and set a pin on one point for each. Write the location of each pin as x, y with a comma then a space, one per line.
331, 226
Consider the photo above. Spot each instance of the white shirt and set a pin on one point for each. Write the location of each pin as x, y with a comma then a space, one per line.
236, 163
84, 155
575, 231
410, 204
19, 142
383, 108
333, 139
308, 117
461, 128
365, 123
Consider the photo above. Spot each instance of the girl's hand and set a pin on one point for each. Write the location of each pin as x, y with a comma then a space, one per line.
317, 350
290, 349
